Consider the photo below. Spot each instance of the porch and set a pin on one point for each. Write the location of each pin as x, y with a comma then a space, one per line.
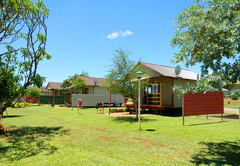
157, 95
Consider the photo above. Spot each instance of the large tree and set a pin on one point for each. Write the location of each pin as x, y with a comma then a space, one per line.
23, 35
208, 33
121, 78
69, 81
78, 84
34, 92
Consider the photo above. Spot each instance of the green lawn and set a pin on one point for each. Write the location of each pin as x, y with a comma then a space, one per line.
42, 135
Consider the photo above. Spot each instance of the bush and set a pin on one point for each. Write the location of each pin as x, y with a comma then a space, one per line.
21, 104
234, 97
29, 104
229, 102
13, 105
25, 104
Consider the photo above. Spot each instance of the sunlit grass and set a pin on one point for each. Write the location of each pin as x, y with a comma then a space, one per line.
42, 135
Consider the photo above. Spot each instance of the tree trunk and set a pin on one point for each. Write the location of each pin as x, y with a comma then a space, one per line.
9, 101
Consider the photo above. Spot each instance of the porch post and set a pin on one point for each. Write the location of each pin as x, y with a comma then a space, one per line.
172, 92
54, 96
161, 90
147, 94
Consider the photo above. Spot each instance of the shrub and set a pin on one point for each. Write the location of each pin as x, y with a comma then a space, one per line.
21, 104
229, 102
13, 105
234, 97
25, 104
29, 104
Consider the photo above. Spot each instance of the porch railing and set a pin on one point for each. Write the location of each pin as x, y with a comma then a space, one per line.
162, 99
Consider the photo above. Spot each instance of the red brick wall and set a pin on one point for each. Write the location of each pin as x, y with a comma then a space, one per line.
202, 104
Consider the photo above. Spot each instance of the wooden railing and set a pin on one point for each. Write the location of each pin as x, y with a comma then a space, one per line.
155, 99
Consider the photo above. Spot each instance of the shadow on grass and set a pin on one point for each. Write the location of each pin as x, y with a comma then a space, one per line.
150, 130
233, 116
199, 124
28, 141
131, 119
13, 116
222, 153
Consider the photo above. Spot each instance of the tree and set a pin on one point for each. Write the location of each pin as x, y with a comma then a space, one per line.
208, 33
34, 92
207, 83
22, 21
78, 84
121, 77
68, 82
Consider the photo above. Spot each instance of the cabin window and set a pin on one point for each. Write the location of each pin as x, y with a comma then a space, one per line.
85, 91
155, 88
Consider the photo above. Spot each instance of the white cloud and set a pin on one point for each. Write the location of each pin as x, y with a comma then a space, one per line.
119, 33
113, 35
128, 32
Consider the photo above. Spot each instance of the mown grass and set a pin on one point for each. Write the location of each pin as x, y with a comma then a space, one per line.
42, 135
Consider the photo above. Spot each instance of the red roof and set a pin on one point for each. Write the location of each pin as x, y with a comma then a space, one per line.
53, 85
90, 80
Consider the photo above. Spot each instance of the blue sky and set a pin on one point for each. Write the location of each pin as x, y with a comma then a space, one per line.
83, 34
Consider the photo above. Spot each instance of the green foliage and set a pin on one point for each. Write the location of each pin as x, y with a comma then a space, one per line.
21, 105
78, 84
208, 83
208, 33
22, 21
121, 78
25, 104
69, 81
229, 102
234, 97
237, 93
34, 92
66, 83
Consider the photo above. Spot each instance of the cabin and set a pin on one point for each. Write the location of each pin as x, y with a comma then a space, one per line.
93, 93
90, 95
158, 93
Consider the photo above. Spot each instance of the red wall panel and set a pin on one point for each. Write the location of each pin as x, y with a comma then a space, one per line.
202, 104
31, 99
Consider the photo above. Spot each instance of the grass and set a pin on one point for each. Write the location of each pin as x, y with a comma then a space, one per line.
42, 135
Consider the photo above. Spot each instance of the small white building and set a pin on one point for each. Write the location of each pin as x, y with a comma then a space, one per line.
93, 93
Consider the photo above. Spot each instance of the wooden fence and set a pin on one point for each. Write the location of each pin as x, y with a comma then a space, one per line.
203, 104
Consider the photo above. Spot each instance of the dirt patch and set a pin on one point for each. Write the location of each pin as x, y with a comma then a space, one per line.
57, 119
231, 110
60, 107
150, 146
101, 130
102, 138
124, 114
146, 141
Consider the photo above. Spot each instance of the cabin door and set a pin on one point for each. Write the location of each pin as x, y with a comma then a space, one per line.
152, 94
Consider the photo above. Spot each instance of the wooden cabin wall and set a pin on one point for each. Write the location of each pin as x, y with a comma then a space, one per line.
167, 91
177, 99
